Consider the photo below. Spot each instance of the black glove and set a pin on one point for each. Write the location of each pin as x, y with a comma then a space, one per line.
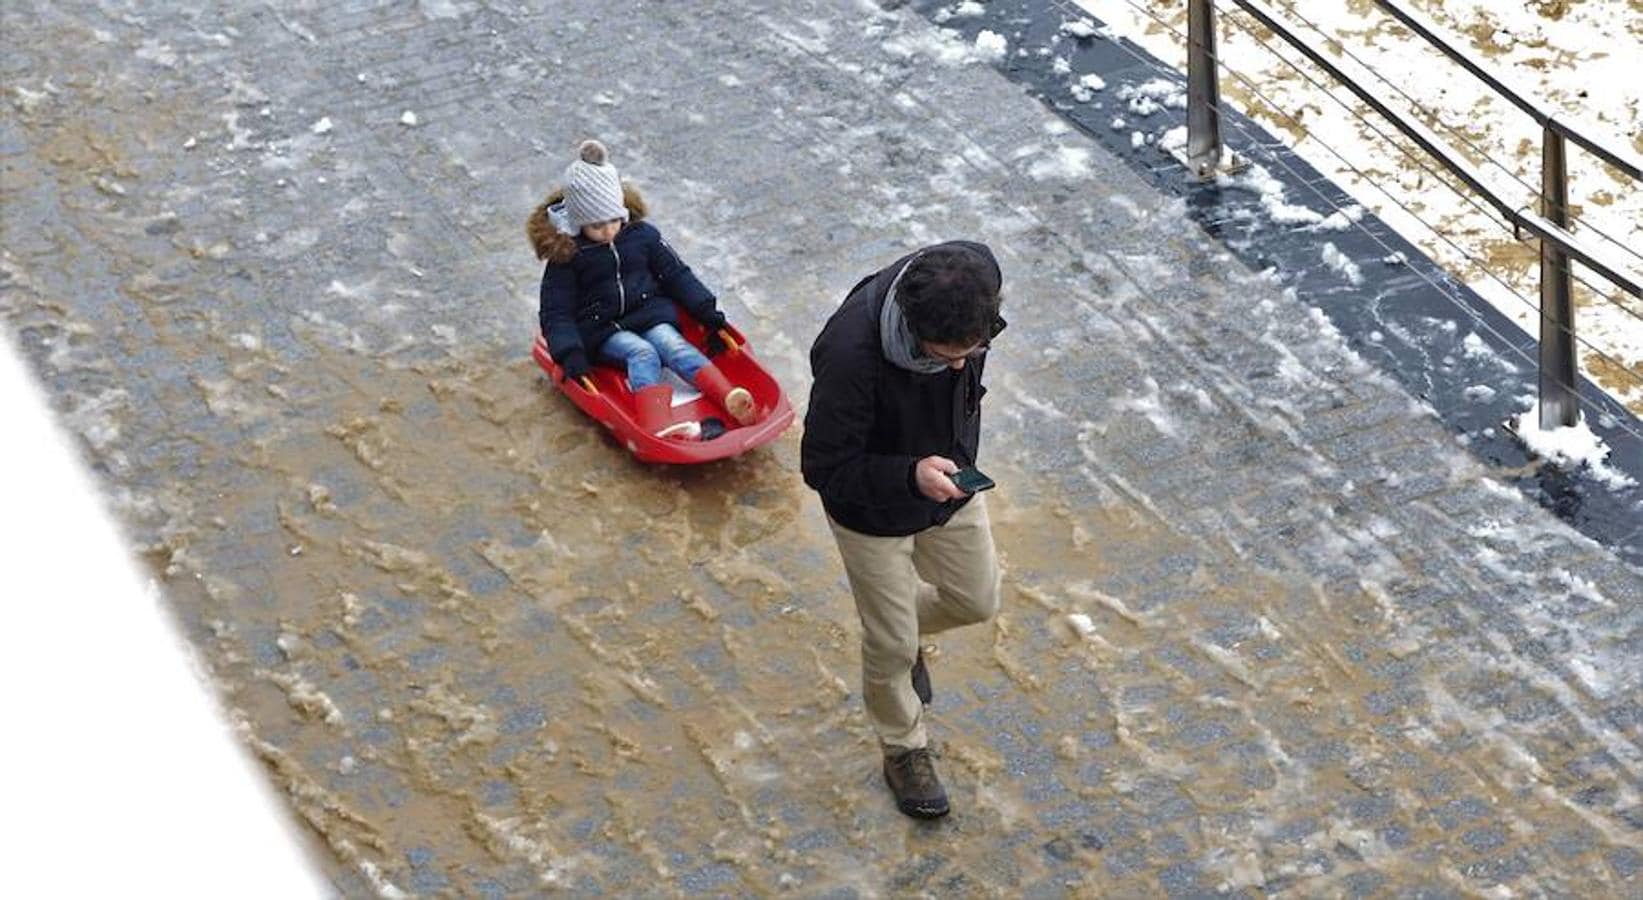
575, 364
714, 322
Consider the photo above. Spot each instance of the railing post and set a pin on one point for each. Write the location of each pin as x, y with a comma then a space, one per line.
1203, 91
1559, 403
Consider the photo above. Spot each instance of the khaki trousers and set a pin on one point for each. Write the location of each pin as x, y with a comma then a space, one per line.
925, 583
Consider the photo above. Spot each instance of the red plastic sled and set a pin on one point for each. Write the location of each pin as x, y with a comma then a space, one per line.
605, 396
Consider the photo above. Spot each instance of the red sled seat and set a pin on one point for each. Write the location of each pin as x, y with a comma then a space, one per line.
604, 395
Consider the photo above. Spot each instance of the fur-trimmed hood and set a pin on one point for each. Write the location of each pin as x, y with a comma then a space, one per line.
555, 246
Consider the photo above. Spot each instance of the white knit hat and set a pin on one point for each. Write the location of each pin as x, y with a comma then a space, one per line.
593, 190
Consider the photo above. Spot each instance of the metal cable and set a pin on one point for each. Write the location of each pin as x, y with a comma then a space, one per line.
1433, 117
1614, 299
1482, 266
1533, 363
1244, 129
1450, 296
1443, 177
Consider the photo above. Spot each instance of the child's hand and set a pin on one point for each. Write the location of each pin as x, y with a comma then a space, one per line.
575, 364
714, 322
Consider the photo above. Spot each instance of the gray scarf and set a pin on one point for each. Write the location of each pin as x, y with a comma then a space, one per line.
900, 347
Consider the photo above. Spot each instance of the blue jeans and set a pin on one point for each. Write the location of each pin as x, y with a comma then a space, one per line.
644, 355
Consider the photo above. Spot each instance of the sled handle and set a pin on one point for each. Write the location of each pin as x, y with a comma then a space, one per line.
587, 384
729, 339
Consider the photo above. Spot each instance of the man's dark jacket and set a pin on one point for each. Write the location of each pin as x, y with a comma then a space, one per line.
870, 421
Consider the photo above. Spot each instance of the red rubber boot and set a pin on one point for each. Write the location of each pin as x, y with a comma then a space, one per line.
653, 407
737, 401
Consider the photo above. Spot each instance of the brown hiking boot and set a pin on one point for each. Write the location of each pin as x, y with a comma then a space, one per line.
911, 775
921, 680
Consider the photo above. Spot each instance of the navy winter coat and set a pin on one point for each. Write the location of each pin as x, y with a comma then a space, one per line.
591, 290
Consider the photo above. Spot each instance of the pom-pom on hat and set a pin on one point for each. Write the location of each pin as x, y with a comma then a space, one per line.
593, 190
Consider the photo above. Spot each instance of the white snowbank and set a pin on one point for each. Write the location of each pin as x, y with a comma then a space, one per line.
123, 773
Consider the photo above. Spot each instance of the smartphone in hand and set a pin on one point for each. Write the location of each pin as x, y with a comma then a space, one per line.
970, 480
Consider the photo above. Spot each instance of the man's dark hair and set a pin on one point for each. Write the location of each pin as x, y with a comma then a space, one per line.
949, 296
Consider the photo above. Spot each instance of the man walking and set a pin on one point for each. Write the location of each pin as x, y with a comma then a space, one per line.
895, 410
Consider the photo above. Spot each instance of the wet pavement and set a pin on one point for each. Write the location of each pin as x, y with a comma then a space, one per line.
1430, 331
1268, 627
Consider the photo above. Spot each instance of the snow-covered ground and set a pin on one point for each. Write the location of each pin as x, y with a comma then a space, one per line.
121, 777
1582, 59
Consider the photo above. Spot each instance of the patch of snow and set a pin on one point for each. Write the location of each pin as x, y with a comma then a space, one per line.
1341, 219
1574, 447
942, 46
1151, 406
445, 9
1340, 262
1084, 89
155, 51
1151, 96
1475, 348
28, 100
991, 46
1063, 162
1082, 29
1257, 180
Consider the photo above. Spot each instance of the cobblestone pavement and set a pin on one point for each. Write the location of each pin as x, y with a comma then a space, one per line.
1267, 629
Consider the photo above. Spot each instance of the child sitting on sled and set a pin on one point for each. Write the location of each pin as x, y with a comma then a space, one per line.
608, 293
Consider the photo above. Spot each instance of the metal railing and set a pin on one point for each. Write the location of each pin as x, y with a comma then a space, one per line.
1206, 157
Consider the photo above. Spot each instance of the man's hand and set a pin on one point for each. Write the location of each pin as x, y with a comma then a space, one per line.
930, 474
